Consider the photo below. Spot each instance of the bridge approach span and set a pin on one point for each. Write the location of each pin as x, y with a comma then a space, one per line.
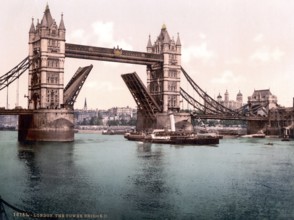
16, 111
229, 117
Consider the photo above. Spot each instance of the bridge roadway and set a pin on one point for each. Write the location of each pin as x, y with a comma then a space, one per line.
16, 111
203, 116
229, 117
113, 55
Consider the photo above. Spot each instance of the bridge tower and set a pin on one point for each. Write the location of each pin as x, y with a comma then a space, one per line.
50, 120
47, 41
163, 82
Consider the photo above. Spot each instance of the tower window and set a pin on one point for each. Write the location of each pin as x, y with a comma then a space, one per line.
54, 63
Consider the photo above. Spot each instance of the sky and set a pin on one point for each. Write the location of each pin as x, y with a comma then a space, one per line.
226, 45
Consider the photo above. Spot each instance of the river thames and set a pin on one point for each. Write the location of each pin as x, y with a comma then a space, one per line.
107, 177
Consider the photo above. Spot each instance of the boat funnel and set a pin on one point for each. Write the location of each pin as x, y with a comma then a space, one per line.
172, 122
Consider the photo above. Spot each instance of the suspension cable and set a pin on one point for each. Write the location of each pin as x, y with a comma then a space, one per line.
14, 73
208, 99
196, 104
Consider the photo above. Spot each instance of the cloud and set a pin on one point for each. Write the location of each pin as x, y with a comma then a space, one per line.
227, 77
265, 54
277, 54
202, 36
104, 31
233, 61
105, 35
258, 38
101, 34
79, 36
200, 52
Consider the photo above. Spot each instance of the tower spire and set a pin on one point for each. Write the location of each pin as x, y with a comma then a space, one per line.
149, 44
85, 104
178, 43
44, 21
61, 25
47, 17
32, 29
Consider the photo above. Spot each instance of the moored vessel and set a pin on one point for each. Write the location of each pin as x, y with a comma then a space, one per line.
173, 137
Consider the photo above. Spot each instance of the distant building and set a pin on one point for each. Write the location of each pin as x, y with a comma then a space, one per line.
122, 111
113, 114
231, 104
263, 98
8, 121
82, 115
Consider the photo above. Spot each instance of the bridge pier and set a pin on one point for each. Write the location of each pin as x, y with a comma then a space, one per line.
47, 125
254, 126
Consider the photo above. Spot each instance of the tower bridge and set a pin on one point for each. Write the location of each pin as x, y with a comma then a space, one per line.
49, 116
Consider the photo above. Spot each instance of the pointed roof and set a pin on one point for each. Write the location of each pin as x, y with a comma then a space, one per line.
166, 38
172, 40
44, 22
61, 25
239, 93
32, 29
47, 20
178, 43
163, 36
149, 44
262, 92
219, 96
85, 104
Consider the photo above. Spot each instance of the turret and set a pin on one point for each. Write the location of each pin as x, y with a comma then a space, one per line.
149, 45
239, 97
226, 96
32, 31
61, 28
166, 39
178, 44
219, 98
44, 26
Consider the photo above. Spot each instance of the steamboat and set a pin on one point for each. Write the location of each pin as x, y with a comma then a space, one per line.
174, 137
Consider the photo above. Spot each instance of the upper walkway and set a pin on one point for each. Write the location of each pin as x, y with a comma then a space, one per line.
113, 55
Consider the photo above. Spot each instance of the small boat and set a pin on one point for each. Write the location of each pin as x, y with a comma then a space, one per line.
259, 134
134, 136
113, 132
285, 138
269, 143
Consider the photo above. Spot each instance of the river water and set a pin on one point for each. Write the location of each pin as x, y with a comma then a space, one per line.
108, 177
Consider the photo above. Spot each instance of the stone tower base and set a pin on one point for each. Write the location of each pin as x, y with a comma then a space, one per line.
47, 125
254, 127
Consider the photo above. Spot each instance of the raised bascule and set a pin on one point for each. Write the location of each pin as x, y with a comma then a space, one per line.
50, 117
